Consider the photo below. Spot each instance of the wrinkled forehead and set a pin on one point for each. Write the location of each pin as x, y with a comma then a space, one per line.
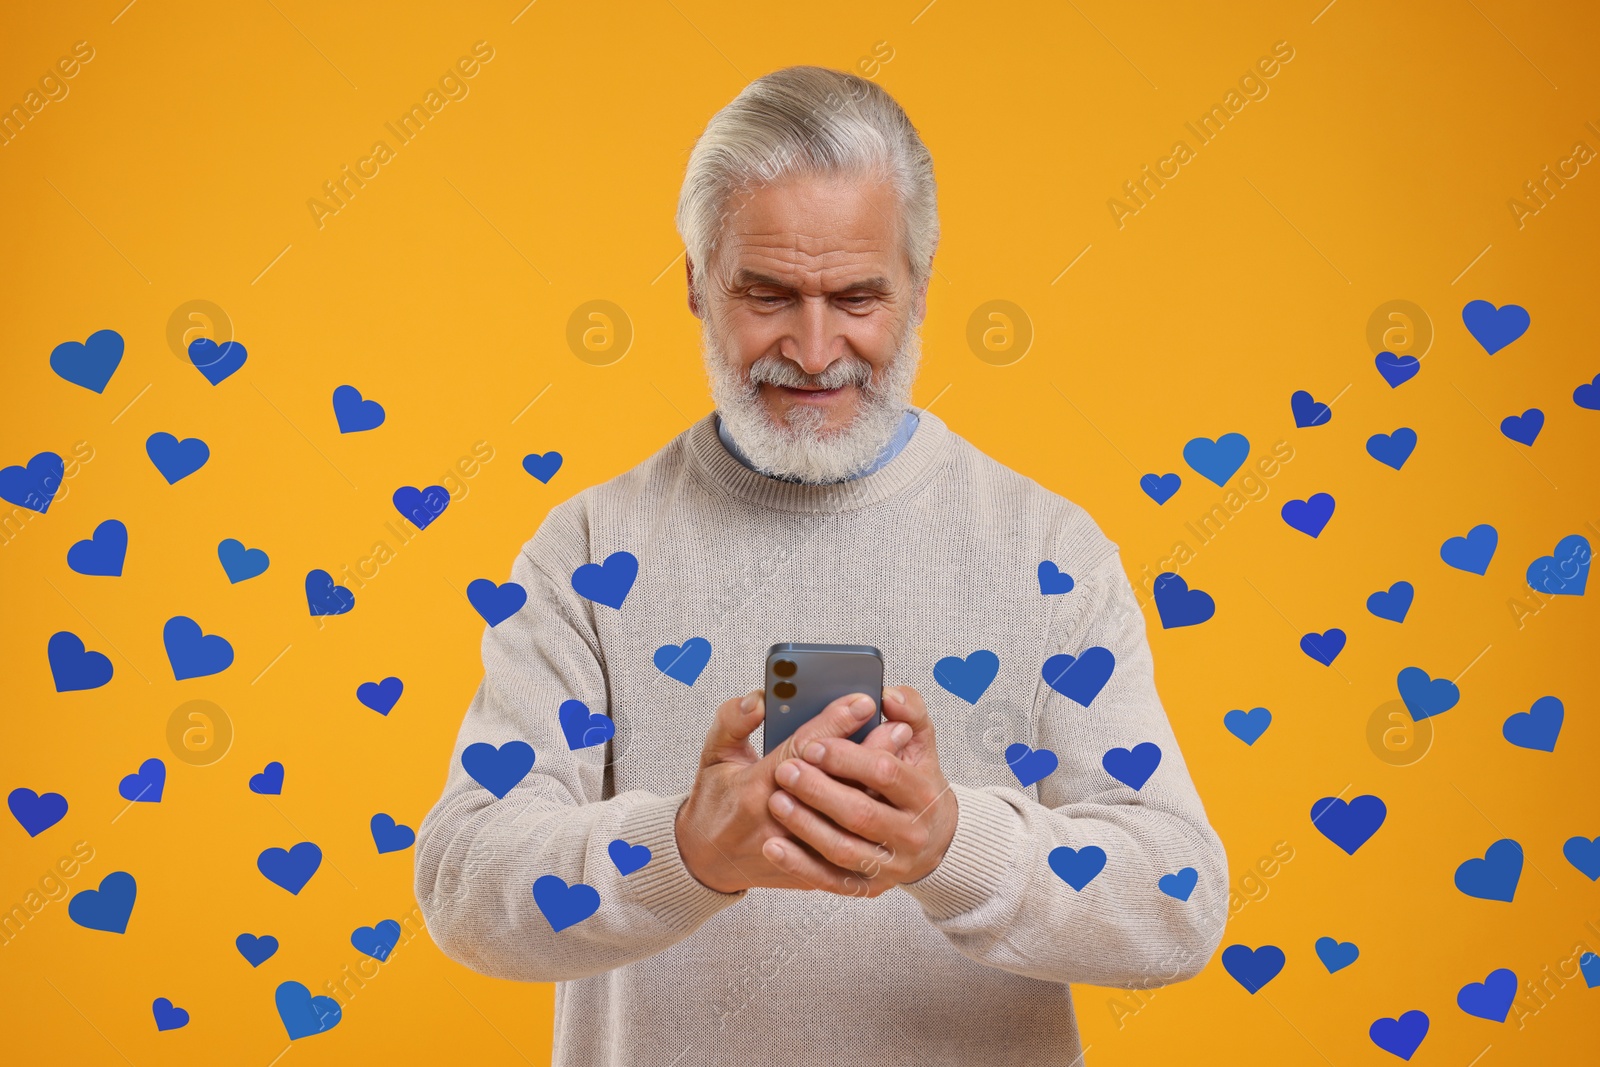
816, 226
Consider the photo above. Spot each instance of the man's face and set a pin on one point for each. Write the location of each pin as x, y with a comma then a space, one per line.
810, 325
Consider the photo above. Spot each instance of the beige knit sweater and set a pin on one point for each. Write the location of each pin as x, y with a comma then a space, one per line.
936, 554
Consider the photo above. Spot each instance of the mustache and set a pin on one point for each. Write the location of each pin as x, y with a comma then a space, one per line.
776, 370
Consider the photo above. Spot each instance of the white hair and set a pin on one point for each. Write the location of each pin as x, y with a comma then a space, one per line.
804, 121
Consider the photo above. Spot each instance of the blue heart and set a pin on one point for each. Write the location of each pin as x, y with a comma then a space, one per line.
216, 362
102, 553
498, 769
1309, 412
1473, 552
582, 729
269, 783
1324, 647
421, 506
175, 459
1523, 429
192, 653
34, 486
304, 1014
1336, 955
1160, 487
256, 950
1393, 449
1053, 580
1178, 605
628, 858
325, 598
496, 603
1493, 327
90, 363
1219, 459
1133, 767
542, 467
1565, 572
353, 414
1030, 765
1077, 866
1495, 876
1426, 696
1491, 998
1309, 516
1178, 886
1400, 1036
1538, 727
240, 563
1080, 678
37, 812
683, 662
168, 1017
391, 836
607, 583
376, 941
1253, 968
1397, 370
969, 678
1247, 726
564, 905
73, 667
382, 696
1349, 824
1587, 395
1394, 604
1584, 854
1589, 964
107, 908
290, 868
146, 784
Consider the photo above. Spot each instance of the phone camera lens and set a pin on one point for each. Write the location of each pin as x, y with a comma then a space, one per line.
784, 668
783, 690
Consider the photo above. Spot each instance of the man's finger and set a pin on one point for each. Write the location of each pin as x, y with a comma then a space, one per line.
903, 704
729, 737
841, 718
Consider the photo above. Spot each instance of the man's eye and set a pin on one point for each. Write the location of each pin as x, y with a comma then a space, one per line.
856, 301
769, 300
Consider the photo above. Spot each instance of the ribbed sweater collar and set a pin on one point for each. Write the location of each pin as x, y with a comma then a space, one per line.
911, 466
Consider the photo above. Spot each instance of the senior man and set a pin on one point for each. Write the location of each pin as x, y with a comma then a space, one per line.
923, 897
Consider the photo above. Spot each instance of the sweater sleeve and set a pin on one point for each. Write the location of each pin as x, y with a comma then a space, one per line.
995, 894
477, 857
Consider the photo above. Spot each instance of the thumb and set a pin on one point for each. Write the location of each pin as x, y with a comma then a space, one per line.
729, 738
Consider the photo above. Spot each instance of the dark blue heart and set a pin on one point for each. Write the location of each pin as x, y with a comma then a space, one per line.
1324, 647
34, 486
498, 769
1397, 370
607, 583
1080, 678
103, 553
353, 414
1077, 866
1565, 572
1491, 998
1587, 395
1424, 695
382, 696
268, 783
168, 1016
969, 678
256, 950
325, 598
1133, 767
1217, 460
1523, 429
90, 363
1336, 955
304, 1014
1400, 1036
376, 941
1393, 449
564, 905
1473, 552
1309, 516
389, 835
1495, 327
1252, 968
421, 506
1030, 765
240, 563
290, 868
1394, 604
1584, 854
583, 729
1178, 605
1307, 411
216, 362
73, 667
194, 654
542, 467
496, 603
107, 908
683, 662
1160, 487
1247, 726
146, 784
627, 858
176, 459
1053, 580
1349, 824
1495, 876
1178, 886
37, 812
1538, 727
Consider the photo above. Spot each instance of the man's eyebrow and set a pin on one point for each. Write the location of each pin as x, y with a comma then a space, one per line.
745, 276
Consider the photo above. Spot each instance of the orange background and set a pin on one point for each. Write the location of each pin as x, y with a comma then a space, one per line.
1379, 167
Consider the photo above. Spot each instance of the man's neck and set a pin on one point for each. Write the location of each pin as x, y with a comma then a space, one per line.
908, 426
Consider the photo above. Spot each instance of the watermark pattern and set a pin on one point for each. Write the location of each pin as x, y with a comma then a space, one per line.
53, 88
52, 888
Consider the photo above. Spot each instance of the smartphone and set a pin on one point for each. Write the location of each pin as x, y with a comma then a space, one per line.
802, 679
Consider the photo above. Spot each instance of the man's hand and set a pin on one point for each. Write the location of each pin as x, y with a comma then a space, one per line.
897, 828
724, 827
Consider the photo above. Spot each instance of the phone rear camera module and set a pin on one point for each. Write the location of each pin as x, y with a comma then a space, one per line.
784, 690
784, 668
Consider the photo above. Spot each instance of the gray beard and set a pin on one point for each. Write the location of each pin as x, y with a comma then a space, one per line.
796, 450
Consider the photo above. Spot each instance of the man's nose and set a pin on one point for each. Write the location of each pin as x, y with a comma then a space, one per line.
815, 340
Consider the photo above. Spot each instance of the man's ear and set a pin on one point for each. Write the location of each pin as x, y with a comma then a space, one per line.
694, 303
